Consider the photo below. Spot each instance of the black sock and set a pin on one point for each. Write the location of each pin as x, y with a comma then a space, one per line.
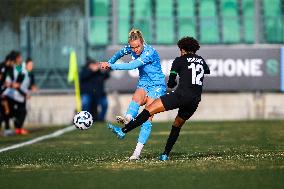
7, 124
139, 120
172, 139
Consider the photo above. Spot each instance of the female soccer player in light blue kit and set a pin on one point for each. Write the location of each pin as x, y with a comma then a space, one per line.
151, 83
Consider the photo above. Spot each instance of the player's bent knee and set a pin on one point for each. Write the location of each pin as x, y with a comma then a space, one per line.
138, 100
139, 97
155, 107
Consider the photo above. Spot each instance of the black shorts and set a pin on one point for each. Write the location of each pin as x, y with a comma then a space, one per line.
187, 105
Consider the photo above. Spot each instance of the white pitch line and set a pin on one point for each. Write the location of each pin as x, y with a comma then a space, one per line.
38, 139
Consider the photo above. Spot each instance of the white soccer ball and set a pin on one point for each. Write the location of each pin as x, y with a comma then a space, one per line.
83, 120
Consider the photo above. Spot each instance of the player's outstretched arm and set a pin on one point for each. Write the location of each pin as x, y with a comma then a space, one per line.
129, 66
119, 54
115, 57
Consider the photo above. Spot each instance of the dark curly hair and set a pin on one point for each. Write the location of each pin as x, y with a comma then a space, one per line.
13, 55
189, 44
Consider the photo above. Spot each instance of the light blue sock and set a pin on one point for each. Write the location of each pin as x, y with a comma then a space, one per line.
145, 132
133, 109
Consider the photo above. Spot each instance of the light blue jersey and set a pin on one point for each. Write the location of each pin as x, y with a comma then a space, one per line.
151, 79
148, 64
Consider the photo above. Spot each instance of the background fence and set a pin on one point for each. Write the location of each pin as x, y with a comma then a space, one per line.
49, 42
48, 38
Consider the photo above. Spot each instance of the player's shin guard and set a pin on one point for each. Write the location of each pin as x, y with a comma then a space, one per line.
172, 140
132, 110
139, 120
145, 132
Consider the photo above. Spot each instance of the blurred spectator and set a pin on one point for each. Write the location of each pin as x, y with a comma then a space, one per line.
6, 69
29, 65
93, 95
17, 95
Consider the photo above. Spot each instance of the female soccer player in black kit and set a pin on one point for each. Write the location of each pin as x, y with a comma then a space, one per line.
191, 69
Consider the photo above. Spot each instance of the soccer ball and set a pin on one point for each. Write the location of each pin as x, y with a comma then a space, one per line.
83, 120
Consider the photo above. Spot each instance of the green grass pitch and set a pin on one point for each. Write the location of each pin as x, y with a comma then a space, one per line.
245, 154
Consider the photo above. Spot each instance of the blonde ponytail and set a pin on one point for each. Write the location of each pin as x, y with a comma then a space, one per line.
135, 34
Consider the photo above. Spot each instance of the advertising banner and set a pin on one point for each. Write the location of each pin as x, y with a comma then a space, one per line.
233, 68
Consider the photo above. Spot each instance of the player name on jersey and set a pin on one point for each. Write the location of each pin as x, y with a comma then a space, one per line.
197, 60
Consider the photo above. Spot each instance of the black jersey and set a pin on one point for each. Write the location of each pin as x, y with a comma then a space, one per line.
191, 69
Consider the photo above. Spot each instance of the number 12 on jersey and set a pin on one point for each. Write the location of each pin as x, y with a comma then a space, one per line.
196, 77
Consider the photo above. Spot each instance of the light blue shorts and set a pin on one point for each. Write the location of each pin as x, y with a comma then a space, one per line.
154, 91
